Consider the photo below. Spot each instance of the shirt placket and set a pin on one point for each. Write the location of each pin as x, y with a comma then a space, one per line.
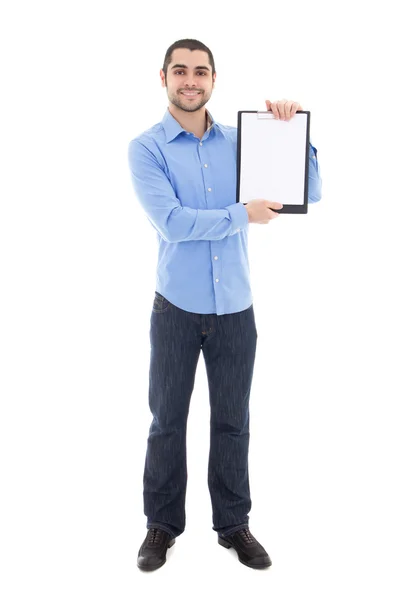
209, 190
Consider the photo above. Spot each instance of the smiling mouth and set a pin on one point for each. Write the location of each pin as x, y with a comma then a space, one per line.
190, 94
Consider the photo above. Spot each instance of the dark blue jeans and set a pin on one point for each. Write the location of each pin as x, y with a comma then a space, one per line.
228, 343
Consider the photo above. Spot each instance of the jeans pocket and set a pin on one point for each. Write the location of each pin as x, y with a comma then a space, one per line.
160, 304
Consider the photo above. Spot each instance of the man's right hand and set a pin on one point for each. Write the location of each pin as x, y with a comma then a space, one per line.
259, 211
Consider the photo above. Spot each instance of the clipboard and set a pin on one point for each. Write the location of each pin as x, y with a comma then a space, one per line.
272, 159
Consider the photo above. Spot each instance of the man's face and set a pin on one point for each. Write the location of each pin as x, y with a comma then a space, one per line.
189, 71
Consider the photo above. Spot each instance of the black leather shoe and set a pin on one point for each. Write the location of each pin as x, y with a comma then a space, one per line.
152, 553
250, 552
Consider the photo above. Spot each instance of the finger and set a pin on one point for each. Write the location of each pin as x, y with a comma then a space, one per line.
273, 205
272, 214
274, 109
268, 103
281, 108
294, 109
276, 205
288, 107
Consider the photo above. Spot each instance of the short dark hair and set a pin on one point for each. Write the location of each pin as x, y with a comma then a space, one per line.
190, 45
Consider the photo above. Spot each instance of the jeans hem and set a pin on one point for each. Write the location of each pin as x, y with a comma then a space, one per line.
164, 528
232, 530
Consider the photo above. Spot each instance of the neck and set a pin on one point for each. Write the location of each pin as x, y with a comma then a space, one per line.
195, 122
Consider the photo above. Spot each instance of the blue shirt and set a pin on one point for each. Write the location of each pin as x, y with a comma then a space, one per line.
187, 188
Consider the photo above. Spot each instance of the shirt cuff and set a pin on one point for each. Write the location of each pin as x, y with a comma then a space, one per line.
239, 217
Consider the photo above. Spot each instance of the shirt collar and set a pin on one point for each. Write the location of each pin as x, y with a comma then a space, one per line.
172, 127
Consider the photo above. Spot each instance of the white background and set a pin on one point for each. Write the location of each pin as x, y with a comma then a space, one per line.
78, 261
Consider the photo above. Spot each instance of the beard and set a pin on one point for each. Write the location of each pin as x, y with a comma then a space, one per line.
186, 104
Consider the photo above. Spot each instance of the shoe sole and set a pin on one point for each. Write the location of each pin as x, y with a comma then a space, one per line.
226, 544
153, 568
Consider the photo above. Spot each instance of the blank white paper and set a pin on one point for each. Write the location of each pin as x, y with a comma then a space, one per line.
273, 158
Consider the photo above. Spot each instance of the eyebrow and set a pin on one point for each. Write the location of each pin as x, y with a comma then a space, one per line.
185, 67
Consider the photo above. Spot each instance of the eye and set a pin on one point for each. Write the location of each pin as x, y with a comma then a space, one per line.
201, 72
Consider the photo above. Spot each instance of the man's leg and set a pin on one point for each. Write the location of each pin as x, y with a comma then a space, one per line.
229, 352
175, 350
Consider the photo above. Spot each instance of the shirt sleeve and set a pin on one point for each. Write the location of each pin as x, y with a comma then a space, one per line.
174, 222
314, 176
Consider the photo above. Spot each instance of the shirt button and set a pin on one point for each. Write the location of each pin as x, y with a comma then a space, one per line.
217, 280
209, 189
237, 230
206, 165
215, 257
201, 143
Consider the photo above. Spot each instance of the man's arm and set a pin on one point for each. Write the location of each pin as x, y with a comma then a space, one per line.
174, 222
314, 178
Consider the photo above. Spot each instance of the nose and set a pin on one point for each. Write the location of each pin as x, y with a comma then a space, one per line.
190, 82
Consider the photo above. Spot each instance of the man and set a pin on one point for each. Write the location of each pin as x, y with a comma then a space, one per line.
183, 171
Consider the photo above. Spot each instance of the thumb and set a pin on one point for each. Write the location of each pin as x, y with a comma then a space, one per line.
276, 205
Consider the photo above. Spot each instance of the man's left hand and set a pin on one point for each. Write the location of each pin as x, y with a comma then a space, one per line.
283, 109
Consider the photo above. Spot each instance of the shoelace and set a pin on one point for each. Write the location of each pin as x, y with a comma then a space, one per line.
154, 536
247, 537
